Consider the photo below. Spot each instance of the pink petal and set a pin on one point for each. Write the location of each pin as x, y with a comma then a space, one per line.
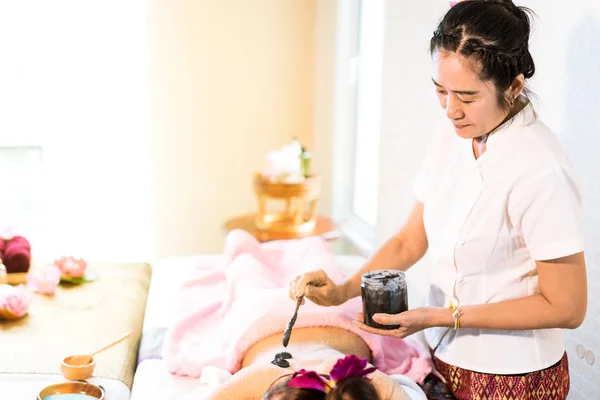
350, 366
15, 299
45, 280
71, 266
307, 380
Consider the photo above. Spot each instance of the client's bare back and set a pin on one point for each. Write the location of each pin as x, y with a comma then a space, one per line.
308, 344
315, 348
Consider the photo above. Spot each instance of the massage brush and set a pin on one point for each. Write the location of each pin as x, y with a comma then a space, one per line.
281, 358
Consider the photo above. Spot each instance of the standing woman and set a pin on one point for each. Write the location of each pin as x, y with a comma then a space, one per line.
499, 210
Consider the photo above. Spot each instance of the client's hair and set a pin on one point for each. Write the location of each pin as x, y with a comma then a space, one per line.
351, 388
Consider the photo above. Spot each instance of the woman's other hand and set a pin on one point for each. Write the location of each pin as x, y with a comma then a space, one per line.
318, 288
411, 321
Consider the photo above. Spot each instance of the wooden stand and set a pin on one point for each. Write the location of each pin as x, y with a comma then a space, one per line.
298, 216
324, 227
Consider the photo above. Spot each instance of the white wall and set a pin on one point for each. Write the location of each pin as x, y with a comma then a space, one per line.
326, 25
229, 81
74, 83
409, 115
566, 49
225, 82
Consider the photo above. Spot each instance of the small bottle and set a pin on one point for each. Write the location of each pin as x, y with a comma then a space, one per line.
383, 292
3, 274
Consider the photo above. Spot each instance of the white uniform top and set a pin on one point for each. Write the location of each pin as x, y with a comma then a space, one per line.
487, 221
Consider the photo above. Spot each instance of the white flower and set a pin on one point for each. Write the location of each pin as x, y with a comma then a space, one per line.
285, 164
293, 149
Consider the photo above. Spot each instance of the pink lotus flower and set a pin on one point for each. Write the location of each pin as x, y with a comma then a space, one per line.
45, 280
304, 379
347, 367
350, 366
14, 301
71, 266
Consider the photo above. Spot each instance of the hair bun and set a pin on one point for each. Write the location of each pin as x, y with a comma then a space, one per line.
522, 13
495, 33
507, 2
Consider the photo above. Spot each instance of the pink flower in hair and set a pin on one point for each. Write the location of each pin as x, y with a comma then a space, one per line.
304, 379
350, 366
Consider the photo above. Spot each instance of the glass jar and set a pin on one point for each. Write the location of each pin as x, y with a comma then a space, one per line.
383, 292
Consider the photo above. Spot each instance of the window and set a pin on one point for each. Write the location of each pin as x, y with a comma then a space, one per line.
21, 181
368, 111
358, 113
74, 141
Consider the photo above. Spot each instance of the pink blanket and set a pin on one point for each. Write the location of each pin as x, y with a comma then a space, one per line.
226, 307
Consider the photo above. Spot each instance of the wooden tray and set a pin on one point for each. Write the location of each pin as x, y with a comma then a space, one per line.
16, 278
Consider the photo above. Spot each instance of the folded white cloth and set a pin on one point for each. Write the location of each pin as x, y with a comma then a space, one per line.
410, 387
214, 377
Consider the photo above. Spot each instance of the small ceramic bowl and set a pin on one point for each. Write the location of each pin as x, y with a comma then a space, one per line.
81, 388
75, 372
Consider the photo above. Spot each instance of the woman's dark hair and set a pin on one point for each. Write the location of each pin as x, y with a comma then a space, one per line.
492, 33
353, 388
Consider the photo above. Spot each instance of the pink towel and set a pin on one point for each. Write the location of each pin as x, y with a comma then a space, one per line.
226, 307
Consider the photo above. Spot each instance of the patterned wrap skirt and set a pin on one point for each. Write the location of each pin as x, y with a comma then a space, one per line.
551, 383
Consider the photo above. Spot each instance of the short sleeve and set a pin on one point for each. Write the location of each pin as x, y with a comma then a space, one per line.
547, 213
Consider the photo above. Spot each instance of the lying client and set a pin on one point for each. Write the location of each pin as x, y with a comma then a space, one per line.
231, 312
336, 358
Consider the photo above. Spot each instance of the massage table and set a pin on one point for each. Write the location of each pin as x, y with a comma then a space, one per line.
152, 381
